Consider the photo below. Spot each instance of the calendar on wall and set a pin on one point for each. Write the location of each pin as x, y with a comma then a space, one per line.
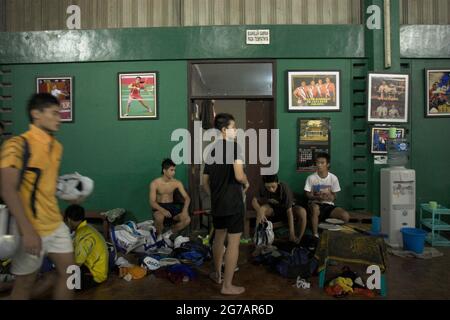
313, 137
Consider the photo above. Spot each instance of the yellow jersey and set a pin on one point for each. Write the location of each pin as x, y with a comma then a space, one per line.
38, 186
91, 250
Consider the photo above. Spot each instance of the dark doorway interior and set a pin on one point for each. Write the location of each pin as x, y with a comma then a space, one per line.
243, 89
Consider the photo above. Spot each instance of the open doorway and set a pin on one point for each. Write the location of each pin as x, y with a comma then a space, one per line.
243, 89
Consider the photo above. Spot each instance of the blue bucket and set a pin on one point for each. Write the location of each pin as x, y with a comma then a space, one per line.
413, 239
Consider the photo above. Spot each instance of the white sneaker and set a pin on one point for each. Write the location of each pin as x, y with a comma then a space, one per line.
180, 240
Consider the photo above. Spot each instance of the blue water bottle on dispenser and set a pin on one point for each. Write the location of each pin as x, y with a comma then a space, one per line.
398, 150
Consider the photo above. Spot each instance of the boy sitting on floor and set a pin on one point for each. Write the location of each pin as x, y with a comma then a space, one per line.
91, 251
276, 201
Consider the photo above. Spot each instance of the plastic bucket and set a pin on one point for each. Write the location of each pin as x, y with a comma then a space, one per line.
413, 239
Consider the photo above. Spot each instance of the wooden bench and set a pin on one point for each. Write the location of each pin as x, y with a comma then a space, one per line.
355, 217
96, 216
360, 217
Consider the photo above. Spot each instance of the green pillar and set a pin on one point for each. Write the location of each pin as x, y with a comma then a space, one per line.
375, 38
374, 45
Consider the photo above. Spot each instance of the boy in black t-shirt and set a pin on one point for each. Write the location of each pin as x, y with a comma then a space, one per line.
224, 179
276, 202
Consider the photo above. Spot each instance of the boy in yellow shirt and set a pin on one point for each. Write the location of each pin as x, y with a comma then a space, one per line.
29, 169
91, 252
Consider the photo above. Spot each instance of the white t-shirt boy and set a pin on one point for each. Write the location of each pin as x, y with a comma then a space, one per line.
316, 184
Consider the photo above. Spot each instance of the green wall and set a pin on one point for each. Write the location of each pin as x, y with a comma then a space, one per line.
429, 138
180, 43
287, 122
122, 157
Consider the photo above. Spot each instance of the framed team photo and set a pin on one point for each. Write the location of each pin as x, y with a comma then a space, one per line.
388, 98
380, 137
138, 95
313, 90
62, 89
438, 93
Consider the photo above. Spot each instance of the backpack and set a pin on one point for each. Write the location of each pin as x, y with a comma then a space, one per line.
125, 239
298, 263
195, 250
264, 235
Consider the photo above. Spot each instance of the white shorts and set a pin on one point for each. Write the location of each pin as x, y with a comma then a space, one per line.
59, 241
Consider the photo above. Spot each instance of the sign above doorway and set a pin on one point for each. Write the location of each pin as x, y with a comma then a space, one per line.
261, 36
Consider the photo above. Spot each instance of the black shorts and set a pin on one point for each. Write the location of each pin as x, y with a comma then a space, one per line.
325, 211
174, 210
279, 214
87, 280
233, 223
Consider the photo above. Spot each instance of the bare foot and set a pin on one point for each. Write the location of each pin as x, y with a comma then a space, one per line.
215, 277
232, 290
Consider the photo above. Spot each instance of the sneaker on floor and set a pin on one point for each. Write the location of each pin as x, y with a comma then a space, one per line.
179, 241
314, 243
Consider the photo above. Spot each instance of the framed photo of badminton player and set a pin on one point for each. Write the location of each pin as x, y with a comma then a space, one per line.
438, 93
138, 95
388, 98
313, 91
62, 89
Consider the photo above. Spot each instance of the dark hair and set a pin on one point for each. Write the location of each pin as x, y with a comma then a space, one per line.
270, 178
40, 101
323, 155
222, 120
166, 164
74, 212
138, 77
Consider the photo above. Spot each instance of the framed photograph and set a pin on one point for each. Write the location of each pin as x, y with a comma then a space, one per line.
379, 138
314, 90
313, 137
138, 95
438, 93
388, 97
62, 89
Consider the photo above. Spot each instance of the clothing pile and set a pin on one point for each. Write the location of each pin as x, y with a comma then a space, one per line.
113, 214
348, 283
178, 265
173, 259
134, 237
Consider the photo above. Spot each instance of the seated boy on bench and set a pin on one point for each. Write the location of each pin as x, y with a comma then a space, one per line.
165, 211
276, 202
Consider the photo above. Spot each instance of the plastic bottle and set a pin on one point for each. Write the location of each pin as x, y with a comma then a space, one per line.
398, 152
